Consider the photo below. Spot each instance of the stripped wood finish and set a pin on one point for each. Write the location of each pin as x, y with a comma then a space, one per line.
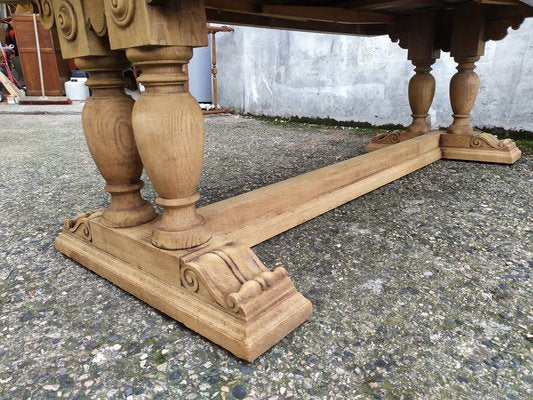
197, 265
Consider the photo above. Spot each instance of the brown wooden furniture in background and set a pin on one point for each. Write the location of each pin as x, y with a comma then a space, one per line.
56, 71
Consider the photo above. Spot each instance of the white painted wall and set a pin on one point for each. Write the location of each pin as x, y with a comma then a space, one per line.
349, 78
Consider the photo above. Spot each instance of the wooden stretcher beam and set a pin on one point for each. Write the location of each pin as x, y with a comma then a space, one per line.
256, 216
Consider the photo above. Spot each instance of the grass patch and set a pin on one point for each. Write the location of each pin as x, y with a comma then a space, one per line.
523, 138
327, 122
525, 145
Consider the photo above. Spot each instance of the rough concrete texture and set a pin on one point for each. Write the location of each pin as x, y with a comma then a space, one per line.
50, 109
349, 78
421, 289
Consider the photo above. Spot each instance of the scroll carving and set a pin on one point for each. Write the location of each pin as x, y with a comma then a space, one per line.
232, 277
122, 11
387, 138
79, 225
400, 37
94, 12
66, 21
489, 141
46, 12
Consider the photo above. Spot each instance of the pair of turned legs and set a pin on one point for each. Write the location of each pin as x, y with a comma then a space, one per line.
163, 130
464, 87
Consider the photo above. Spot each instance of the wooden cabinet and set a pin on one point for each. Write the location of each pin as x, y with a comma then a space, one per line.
56, 71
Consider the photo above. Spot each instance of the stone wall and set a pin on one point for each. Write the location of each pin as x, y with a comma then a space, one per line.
349, 78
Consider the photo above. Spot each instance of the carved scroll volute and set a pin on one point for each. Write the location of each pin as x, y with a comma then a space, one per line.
95, 15
134, 23
46, 12
76, 37
231, 276
400, 38
399, 33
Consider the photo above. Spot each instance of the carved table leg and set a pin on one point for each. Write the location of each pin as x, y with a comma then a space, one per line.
464, 87
108, 130
169, 130
421, 92
421, 51
213, 285
460, 141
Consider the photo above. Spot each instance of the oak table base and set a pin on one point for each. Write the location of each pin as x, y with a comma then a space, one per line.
479, 146
181, 284
221, 289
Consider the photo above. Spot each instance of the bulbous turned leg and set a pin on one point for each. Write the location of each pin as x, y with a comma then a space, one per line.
169, 131
107, 126
460, 142
464, 87
421, 92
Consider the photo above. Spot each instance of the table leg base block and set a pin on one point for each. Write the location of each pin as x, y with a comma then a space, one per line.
220, 290
479, 146
389, 138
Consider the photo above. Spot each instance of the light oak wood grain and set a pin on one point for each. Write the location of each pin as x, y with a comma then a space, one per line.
107, 126
197, 265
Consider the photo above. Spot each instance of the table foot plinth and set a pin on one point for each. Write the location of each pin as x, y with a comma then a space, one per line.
476, 146
220, 289
479, 146
388, 138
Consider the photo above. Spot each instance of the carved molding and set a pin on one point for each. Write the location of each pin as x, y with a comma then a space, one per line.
67, 21
394, 137
498, 29
387, 138
95, 15
400, 38
489, 141
46, 12
232, 277
122, 11
79, 225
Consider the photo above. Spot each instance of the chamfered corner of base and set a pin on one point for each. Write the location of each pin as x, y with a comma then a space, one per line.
274, 325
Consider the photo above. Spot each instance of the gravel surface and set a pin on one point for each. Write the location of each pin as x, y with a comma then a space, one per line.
421, 288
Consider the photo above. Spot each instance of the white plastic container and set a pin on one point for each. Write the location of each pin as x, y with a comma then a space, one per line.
75, 89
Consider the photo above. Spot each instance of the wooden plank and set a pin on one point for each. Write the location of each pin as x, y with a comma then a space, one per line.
500, 2
10, 86
332, 14
258, 215
253, 217
262, 21
245, 6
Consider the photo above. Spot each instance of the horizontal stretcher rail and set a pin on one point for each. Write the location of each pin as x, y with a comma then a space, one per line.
255, 216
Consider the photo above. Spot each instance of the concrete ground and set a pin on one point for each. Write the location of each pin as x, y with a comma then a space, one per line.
421, 288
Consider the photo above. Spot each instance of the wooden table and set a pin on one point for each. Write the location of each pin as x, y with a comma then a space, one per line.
196, 265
